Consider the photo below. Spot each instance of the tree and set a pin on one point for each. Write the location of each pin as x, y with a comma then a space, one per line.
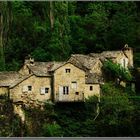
5, 20
59, 47
116, 113
122, 24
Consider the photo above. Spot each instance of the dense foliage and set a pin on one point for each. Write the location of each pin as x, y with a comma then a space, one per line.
10, 122
116, 71
53, 30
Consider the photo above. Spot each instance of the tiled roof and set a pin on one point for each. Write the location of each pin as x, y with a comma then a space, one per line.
93, 78
7, 78
106, 54
19, 80
40, 68
43, 68
84, 62
56, 65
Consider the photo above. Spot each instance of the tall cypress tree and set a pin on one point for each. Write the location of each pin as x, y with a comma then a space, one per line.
60, 34
5, 18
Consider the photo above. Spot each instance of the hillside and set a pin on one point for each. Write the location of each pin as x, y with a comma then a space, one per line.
50, 31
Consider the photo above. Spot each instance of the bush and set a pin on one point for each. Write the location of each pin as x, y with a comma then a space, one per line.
117, 71
52, 130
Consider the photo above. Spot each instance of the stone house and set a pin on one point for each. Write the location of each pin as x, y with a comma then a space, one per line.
70, 84
6, 79
67, 82
30, 89
73, 80
35, 86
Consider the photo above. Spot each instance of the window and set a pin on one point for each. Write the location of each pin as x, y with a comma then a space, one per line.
91, 88
65, 90
74, 85
77, 93
26, 88
29, 88
67, 70
44, 90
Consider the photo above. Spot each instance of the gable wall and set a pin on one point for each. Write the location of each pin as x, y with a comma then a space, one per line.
120, 58
129, 54
97, 68
16, 93
61, 78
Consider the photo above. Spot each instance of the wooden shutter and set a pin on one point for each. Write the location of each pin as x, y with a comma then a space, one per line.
42, 90
74, 85
25, 88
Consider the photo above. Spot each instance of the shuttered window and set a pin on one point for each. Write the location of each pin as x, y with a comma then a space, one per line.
44, 90
26, 88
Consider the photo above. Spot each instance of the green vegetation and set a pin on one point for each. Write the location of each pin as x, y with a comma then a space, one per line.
10, 123
53, 30
117, 71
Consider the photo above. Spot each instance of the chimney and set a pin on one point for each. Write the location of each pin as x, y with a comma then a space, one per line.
29, 60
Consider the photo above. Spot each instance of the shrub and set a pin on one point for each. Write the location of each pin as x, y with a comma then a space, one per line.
52, 130
117, 71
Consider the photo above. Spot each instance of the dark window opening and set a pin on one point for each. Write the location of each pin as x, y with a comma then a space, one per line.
91, 87
29, 88
46, 90
65, 90
77, 93
67, 70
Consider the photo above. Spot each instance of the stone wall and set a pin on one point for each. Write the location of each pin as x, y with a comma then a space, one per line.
120, 60
3, 90
61, 78
17, 93
129, 53
97, 68
95, 90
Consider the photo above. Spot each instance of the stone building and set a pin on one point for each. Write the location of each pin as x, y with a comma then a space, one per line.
72, 81
6, 79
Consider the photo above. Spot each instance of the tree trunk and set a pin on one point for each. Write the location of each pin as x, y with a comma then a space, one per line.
51, 15
2, 58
